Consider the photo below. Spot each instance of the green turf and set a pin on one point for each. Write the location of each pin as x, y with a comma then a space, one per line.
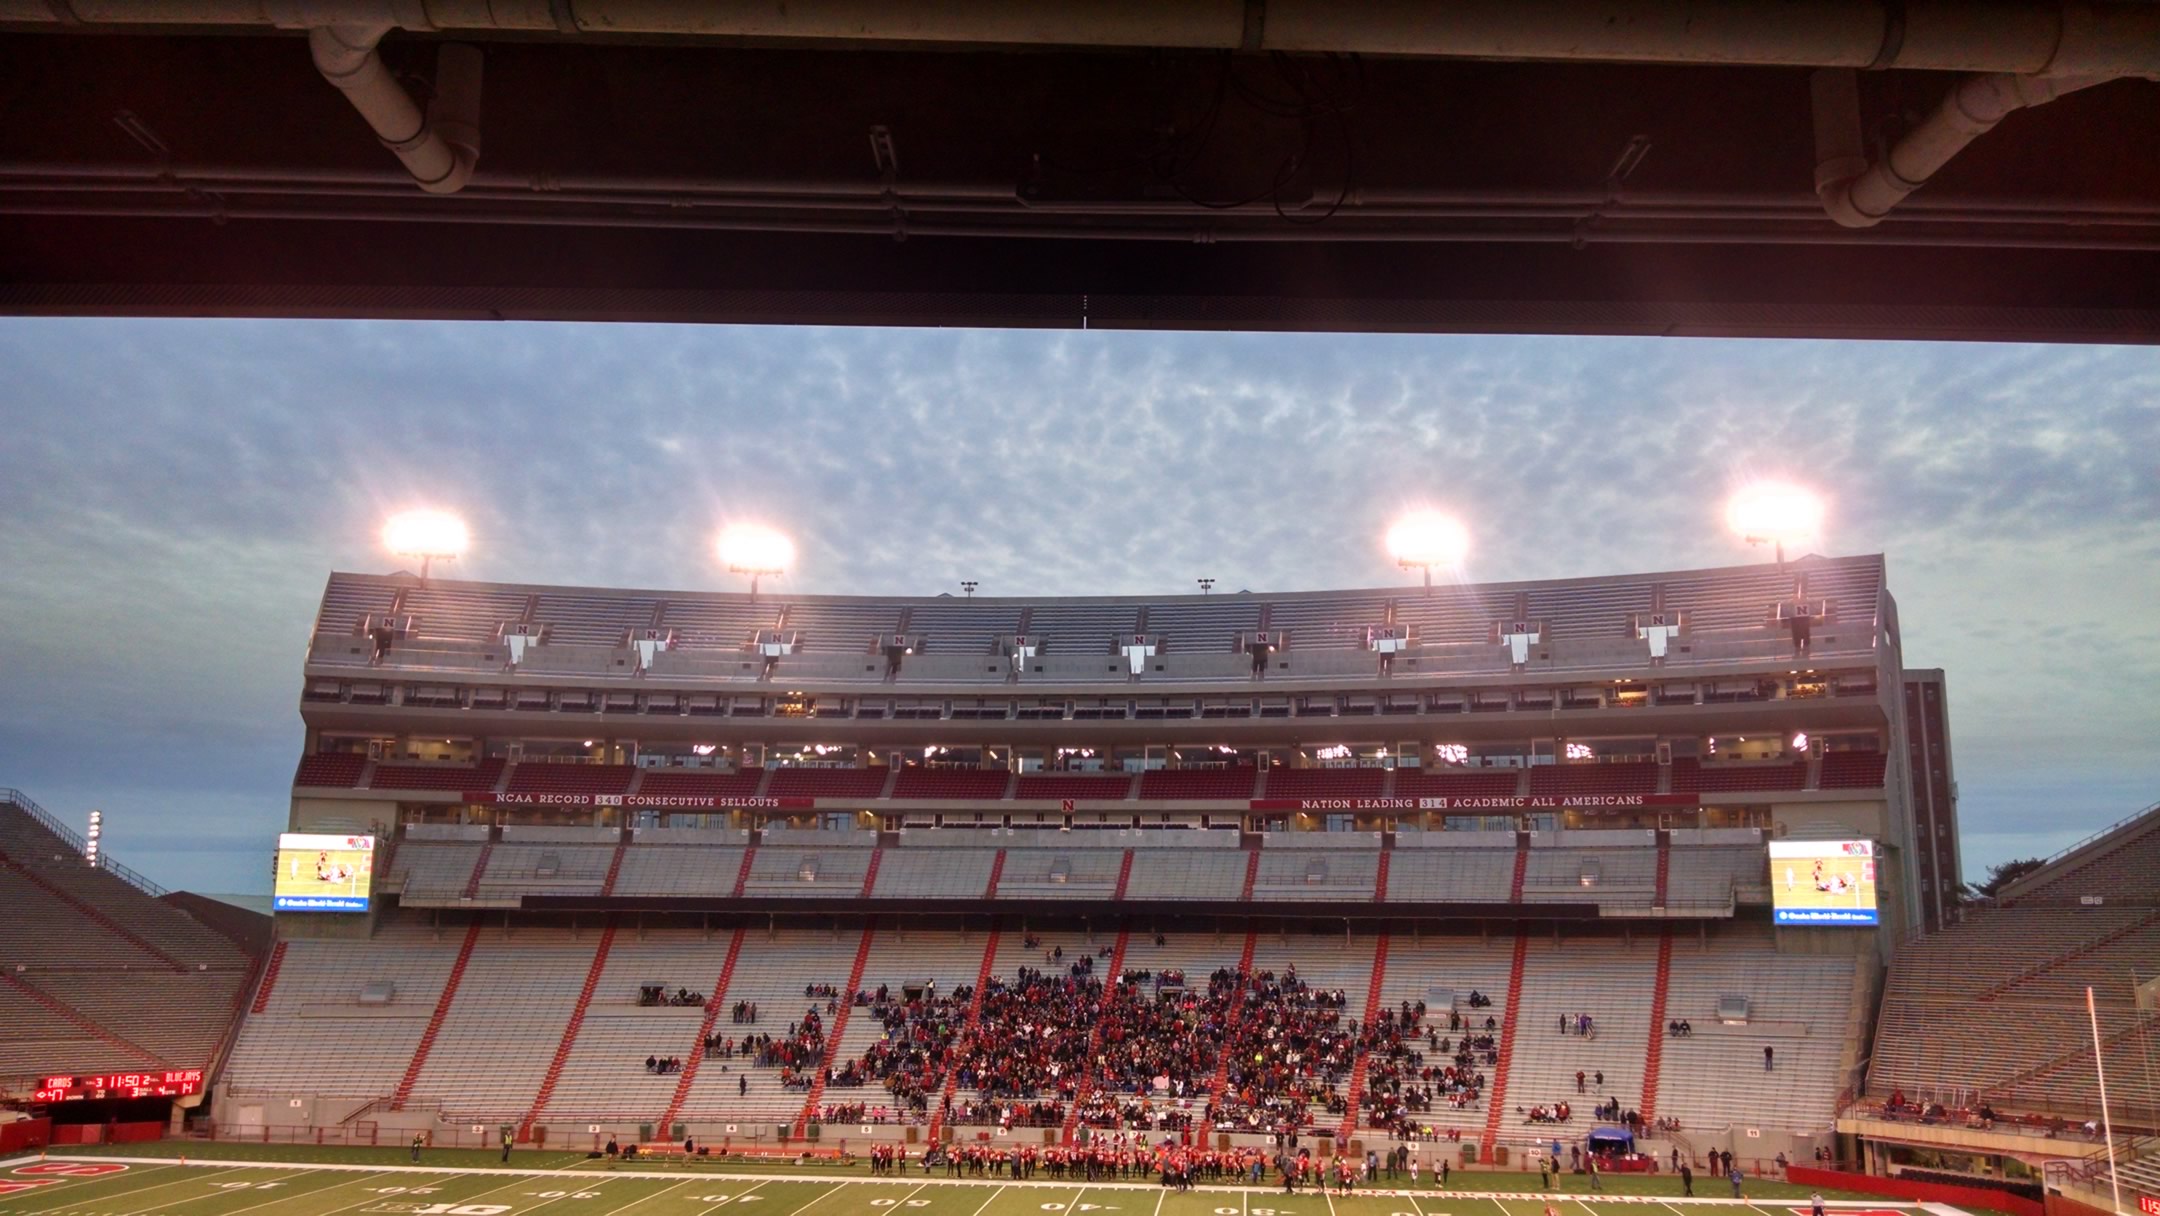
379, 1182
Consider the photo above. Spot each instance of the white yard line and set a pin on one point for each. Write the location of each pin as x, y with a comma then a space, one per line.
633, 1203
154, 1186
1158, 1202
282, 1198
735, 1198
1001, 1190
821, 1198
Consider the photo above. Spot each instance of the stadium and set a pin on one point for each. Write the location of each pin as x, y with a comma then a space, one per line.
1662, 866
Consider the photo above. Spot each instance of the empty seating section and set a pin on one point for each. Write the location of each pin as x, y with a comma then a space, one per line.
1326, 782
1198, 783
1609, 876
1332, 875
699, 783
545, 869
1741, 597
1707, 876
839, 627
934, 873
1075, 874
1329, 623
1585, 780
39, 931
827, 782
1098, 786
1454, 615
454, 777
800, 873
963, 629
177, 1016
2123, 868
1853, 771
39, 1043
1691, 776
950, 783
47, 858
432, 870
1196, 874
696, 871
330, 770
594, 620
503, 1027
1586, 611
462, 613
533, 777
772, 972
715, 624
1797, 1006
1433, 875
315, 1036
1203, 624
1080, 628
1996, 1004
349, 600
1456, 783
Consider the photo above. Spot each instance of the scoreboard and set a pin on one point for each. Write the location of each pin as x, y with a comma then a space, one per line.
171, 1083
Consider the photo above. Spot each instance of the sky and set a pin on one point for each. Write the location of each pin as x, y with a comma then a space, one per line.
173, 494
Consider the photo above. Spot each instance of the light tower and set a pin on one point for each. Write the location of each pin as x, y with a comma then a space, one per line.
427, 535
1424, 539
755, 550
1774, 513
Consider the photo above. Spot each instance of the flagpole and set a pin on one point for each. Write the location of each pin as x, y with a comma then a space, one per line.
2107, 1126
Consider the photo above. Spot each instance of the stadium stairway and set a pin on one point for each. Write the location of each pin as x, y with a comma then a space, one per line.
1252, 875
1522, 867
1111, 976
472, 883
1496, 1101
81, 1020
997, 871
742, 874
1654, 1056
1664, 875
869, 880
269, 979
713, 1005
974, 1017
838, 1031
1124, 877
1379, 878
614, 868
1221, 1080
553, 1075
1356, 1096
405, 1083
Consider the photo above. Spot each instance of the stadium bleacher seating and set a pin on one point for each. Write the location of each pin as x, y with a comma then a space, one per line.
454, 777
949, 783
1691, 776
1198, 783
1853, 770
1074, 785
827, 782
1556, 780
700, 783
1326, 782
575, 779
331, 770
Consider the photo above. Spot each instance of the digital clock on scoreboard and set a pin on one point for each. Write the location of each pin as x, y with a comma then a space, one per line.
171, 1083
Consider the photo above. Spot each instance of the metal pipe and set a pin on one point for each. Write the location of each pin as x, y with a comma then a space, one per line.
440, 156
2026, 37
1858, 194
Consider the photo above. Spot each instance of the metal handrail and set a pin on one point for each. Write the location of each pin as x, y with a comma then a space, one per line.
51, 823
2119, 824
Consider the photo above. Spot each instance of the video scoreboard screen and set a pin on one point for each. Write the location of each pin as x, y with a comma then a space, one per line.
317, 873
1823, 882
172, 1083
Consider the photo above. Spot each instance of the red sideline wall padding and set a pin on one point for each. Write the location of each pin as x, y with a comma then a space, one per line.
1929, 1192
107, 1133
25, 1133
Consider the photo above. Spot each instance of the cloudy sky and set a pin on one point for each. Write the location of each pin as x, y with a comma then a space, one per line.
172, 494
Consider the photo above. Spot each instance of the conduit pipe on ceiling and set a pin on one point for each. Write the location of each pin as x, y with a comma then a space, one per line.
2027, 37
439, 147
1858, 193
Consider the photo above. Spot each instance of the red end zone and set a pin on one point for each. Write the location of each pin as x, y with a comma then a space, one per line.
71, 1169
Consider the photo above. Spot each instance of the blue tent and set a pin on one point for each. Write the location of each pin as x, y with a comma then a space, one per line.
1611, 1139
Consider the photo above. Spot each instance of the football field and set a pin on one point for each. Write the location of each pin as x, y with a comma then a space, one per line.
270, 1182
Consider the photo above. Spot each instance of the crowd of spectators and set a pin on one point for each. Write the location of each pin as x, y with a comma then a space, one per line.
652, 995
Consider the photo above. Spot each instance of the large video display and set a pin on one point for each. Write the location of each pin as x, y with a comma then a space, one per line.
317, 873
1823, 882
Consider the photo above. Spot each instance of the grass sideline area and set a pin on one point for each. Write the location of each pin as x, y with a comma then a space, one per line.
299, 1180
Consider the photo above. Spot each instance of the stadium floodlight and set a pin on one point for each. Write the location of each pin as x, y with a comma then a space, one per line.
755, 550
969, 585
1206, 585
1424, 539
1774, 513
427, 535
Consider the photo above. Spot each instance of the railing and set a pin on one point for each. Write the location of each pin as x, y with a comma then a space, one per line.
2125, 821
51, 823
